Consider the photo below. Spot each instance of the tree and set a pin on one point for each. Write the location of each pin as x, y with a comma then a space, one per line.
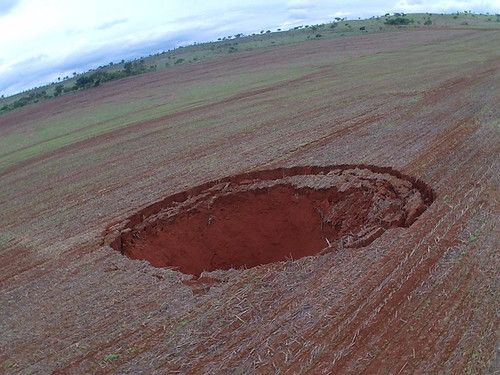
58, 90
128, 68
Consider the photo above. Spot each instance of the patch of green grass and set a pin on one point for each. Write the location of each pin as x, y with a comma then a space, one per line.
111, 357
6, 237
178, 328
494, 123
474, 237
82, 124
474, 357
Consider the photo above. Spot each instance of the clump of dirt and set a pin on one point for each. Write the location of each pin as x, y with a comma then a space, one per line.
268, 216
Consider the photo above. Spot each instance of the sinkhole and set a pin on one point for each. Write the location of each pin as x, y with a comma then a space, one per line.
267, 216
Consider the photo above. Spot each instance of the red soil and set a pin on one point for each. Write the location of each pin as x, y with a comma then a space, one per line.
230, 225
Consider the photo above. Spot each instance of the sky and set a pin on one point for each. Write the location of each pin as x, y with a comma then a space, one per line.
42, 40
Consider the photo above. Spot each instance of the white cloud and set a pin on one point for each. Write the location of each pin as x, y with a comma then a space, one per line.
447, 6
341, 14
300, 3
110, 24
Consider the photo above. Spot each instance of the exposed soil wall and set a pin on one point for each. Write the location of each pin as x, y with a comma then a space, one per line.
269, 216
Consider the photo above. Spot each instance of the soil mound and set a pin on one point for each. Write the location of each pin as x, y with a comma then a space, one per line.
268, 216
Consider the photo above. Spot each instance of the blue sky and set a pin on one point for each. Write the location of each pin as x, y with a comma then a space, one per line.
46, 39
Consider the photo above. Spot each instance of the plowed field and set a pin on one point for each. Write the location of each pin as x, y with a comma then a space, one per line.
419, 296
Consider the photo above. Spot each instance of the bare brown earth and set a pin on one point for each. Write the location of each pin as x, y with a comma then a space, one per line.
419, 299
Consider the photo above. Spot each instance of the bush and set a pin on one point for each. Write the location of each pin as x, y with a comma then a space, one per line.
134, 68
33, 97
84, 82
69, 89
398, 21
58, 90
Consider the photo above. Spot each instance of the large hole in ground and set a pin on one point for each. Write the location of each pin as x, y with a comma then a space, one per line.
267, 216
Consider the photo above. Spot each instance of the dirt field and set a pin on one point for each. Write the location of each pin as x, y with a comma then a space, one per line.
414, 299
